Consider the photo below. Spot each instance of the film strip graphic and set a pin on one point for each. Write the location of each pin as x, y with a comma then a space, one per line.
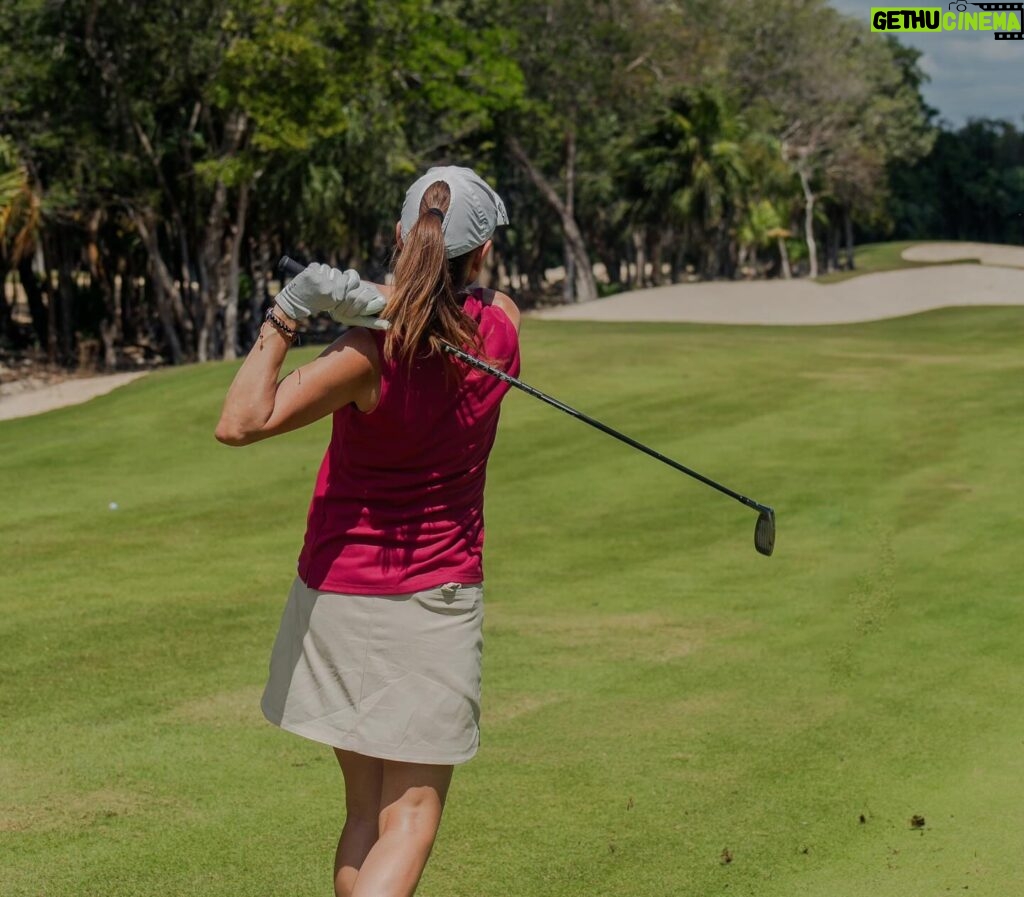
1017, 7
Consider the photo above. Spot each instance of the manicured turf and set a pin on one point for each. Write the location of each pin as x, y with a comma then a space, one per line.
658, 697
873, 257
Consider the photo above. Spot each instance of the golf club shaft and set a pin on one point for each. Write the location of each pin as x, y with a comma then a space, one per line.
292, 268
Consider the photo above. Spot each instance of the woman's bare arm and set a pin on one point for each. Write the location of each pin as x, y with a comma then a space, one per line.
257, 406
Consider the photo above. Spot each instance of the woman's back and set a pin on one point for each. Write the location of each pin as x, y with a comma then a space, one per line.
398, 503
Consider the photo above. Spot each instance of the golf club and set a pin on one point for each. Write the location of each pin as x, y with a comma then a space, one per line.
764, 529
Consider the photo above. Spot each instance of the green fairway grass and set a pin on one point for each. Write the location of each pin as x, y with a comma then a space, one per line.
666, 713
873, 257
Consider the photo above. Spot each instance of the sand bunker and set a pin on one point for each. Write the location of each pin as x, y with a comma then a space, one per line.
870, 297
18, 402
986, 253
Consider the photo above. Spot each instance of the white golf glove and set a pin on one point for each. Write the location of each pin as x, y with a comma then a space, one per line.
339, 293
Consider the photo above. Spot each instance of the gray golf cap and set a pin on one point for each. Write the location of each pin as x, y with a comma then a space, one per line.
474, 212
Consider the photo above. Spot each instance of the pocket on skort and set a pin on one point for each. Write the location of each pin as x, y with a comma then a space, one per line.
451, 598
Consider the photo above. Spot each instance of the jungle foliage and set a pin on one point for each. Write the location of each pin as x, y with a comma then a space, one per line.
157, 157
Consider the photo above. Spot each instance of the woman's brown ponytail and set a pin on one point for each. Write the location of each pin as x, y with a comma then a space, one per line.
424, 307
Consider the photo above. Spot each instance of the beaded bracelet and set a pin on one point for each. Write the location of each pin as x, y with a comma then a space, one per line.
280, 325
287, 332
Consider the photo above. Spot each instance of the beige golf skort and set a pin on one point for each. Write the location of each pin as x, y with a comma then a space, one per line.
389, 676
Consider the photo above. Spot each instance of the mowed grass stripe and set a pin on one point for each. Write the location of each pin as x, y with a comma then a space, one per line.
655, 692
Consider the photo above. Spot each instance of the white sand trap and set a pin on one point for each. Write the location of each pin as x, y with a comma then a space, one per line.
986, 253
17, 403
870, 297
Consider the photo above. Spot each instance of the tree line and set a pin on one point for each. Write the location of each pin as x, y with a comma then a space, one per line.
156, 157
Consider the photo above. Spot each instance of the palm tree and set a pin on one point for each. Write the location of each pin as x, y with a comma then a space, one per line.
20, 223
685, 173
767, 203
19, 206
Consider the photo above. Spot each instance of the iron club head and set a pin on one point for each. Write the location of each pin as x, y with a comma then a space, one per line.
764, 532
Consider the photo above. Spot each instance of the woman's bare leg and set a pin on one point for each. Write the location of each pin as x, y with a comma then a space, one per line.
363, 782
412, 798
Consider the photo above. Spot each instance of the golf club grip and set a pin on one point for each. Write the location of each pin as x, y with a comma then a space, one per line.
291, 268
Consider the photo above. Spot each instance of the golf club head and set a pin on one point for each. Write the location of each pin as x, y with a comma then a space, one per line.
764, 532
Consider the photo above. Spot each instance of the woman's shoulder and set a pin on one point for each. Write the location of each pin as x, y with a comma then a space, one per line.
496, 300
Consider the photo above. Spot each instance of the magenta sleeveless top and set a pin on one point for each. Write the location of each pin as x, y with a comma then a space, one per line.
398, 502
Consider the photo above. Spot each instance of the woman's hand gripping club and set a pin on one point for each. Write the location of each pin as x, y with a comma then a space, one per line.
321, 288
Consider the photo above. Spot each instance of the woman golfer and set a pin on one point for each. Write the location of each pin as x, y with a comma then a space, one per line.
378, 652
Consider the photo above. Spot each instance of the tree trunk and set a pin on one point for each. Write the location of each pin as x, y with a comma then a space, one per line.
657, 245
67, 289
709, 258
9, 329
787, 272
675, 263
569, 286
812, 247
109, 325
848, 227
42, 269
52, 324
569, 283
210, 285
535, 273
640, 251
584, 270
128, 301
36, 303
515, 281
6, 308
259, 252
502, 280
213, 261
234, 258
728, 251
612, 264
177, 224
112, 333
164, 286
